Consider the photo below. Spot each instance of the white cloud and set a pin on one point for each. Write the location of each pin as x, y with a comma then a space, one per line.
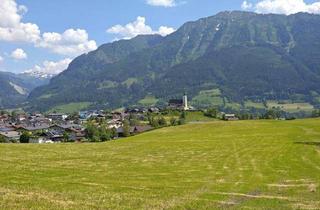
12, 28
162, 3
19, 54
286, 7
138, 27
164, 30
22, 9
71, 42
246, 5
49, 68
1, 59
9, 16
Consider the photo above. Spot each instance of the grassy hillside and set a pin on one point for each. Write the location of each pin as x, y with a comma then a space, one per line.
70, 108
237, 165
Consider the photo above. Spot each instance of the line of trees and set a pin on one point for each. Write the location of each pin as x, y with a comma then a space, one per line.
160, 121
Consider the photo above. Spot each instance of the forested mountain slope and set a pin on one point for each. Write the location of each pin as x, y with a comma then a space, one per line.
245, 56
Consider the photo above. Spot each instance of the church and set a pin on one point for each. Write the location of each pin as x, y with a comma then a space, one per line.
181, 104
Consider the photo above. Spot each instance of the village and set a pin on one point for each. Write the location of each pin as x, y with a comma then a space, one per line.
60, 127
91, 126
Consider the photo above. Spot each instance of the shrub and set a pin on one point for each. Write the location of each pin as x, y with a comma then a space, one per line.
2, 139
173, 121
162, 122
25, 138
211, 112
126, 129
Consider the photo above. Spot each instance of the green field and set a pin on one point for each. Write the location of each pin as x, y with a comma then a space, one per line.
209, 98
107, 84
251, 104
130, 81
291, 107
148, 101
234, 106
46, 96
70, 108
198, 117
215, 165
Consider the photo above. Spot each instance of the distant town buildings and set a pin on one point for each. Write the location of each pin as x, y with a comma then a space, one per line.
56, 127
60, 127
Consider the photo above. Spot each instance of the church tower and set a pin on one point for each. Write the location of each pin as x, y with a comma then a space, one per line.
185, 102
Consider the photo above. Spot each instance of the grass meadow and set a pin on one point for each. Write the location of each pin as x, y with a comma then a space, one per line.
213, 165
70, 108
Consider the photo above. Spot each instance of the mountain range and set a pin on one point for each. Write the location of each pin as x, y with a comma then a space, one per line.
15, 88
224, 60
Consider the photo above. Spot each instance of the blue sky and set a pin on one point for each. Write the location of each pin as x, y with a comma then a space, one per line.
95, 17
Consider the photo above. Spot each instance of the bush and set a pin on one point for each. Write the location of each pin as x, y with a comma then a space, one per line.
98, 133
25, 138
162, 122
153, 122
183, 115
2, 139
181, 121
66, 137
105, 135
272, 114
91, 130
211, 112
126, 129
173, 121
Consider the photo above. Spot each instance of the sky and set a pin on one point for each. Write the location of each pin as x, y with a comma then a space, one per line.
44, 36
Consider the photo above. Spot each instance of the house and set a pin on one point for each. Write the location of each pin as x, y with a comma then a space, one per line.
41, 140
142, 129
76, 132
67, 125
134, 130
118, 115
34, 127
57, 116
53, 135
6, 128
120, 131
10, 136
4, 118
56, 133
154, 110
40, 119
230, 117
136, 111
21, 117
77, 135
114, 124
85, 115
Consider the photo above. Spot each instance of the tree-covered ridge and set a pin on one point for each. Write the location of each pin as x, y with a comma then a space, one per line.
247, 56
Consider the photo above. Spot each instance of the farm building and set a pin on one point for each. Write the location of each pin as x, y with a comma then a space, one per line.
230, 117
